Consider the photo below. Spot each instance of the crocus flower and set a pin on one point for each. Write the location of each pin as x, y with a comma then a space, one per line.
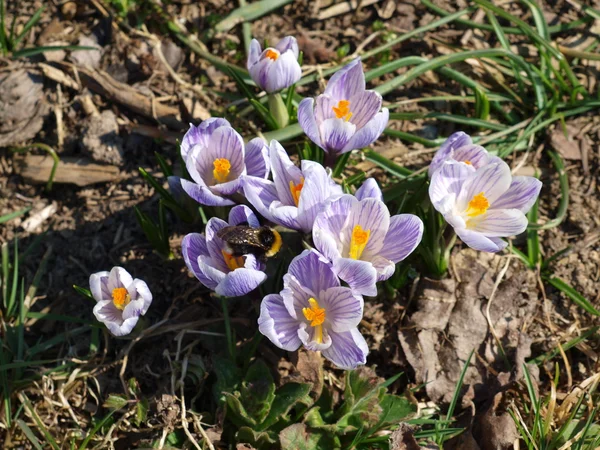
315, 311
208, 258
121, 300
296, 195
483, 205
274, 68
346, 116
363, 242
216, 160
459, 147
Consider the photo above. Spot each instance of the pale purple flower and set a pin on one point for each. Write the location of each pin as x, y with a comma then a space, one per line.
346, 116
274, 68
296, 195
459, 147
483, 205
363, 242
121, 300
216, 160
315, 311
207, 256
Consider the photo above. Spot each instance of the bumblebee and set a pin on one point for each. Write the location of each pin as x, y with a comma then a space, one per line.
262, 242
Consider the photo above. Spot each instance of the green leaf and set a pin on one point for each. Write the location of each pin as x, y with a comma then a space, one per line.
14, 215
83, 291
395, 409
286, 397
258, 439
249, 13
141, 411
228, 377
53, 48
116, 402
573, 295
258, 391
296, 437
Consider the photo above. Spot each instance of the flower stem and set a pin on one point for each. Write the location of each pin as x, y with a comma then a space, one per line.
228, 333
279, 110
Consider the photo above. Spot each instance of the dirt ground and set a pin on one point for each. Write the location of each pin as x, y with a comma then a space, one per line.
426, 330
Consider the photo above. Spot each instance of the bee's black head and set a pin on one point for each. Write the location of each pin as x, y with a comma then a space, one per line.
270, 240
266, 237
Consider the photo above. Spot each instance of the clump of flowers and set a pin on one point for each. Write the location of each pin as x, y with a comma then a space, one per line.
121, 300
350, 242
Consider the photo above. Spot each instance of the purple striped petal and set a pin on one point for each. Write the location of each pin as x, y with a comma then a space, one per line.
227, 143
239, 282
208, 272
499, 223
288, 43
193, 246
228, 188
99, 286
369, 189
521, 195
295, 296
315, 195
241, 214
492, 180
343, 308
478, 241
446, 181
324, 108
347, 81
257, 158
403, 237
141, 293
306, 333
313, 272
286, 216
329, 225
277, 325
260, 70
133, 310
454, 141
261, 194
360, 275
384, 267
215, 244
283, 72
204, 195
371, 214
284, 171
348, 349
364, 105
336, 134
475, 155
119, 278
307, 121
108, 314
200, 135
369, 133
254, 53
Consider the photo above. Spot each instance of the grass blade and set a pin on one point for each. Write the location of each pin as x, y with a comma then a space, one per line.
10, 216
573, 295
30, 23
249, 12
388, 165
